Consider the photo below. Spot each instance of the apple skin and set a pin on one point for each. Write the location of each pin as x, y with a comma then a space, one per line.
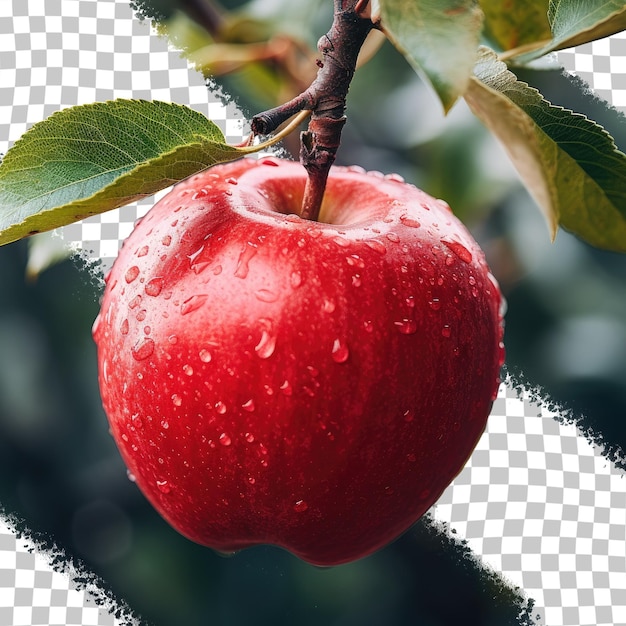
312, 385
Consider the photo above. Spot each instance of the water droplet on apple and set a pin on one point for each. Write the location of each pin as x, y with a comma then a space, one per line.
393, 237
356, 280
248, 406
394, 178
225, 440
446, 331
368, 325
177, 400
143, 349
243, 263
411, 458
341, 242
434, 304
409, 221
188, 370
409, 416
232, 181
355, 260
265, 295
406, 326
376, 245
167, 240
340, 351
173, 339
131, 476
135, 302
131, 274
220, 407
249, 437
165, 424
201, 193
251, 480
205, 355
153, 287
459, 249
124, 328
193, 304
267, 343
296, 279
328, 306
141, 315
143, 251
163, 486
286, 388
300, 506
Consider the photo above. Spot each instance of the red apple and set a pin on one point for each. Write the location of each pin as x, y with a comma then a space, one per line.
313, 385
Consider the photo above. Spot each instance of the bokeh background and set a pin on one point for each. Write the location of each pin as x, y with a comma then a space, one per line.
566, 332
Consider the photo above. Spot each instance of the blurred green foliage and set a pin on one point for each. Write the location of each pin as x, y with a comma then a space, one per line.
566, 331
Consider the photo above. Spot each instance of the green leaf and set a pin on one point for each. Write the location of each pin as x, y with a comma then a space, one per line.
570, 164
439, 39
574, 23
89, 159
514, 24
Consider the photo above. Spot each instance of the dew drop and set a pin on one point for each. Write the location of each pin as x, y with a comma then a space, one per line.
177, 400
410, 222
243, 263
251, 480
193, 303
368, 326
459, 249
393, 237
167, 240
225, 440
131, 274
411, 458
356, 281
394, 178
165, 424
340, 351
355, 260
248, 406
130, 476
409, 416
265, 295
328, 306
154, 287
205, 355
434, 304
163, 486
296, 279
341, 242
445, 331
188, 370
232, 181
220, 407
124, 328
141, 315
143, 349
142, 251
286, 388
300, 506
201, 193
376, 245
173, 339
249, 437
267, 343
406, 326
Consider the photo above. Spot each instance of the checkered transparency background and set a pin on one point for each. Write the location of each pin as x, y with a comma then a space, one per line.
536, 501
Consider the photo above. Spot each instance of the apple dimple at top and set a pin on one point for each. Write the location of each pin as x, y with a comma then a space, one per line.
313, 385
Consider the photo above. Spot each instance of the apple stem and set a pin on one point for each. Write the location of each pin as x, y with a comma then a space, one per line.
325, 98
